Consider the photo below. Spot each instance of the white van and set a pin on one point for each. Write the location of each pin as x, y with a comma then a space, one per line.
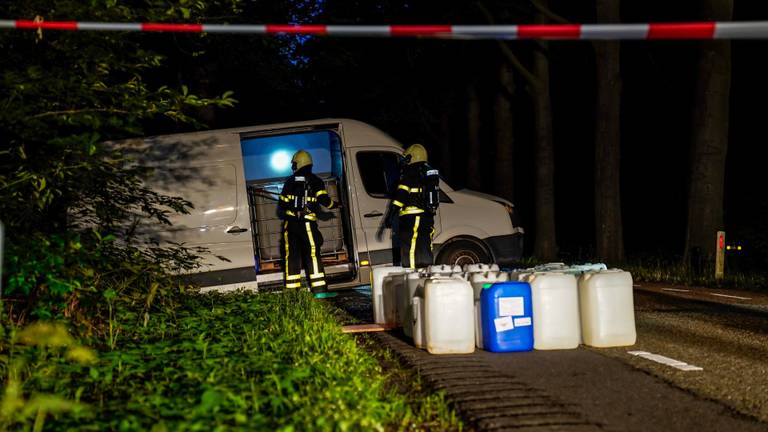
232, 177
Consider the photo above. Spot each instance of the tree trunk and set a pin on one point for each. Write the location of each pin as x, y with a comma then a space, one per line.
206, 114
446, 128
545, 247
710, 138
609, 238
504, 172
545, 244
474, 176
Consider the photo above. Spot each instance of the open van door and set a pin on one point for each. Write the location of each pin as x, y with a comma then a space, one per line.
267, 163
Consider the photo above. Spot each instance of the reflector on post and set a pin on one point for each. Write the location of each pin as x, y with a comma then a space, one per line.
720, 255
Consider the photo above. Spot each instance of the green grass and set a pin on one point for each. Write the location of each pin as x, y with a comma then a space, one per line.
671, 270
429, 410
235, 362
674, 272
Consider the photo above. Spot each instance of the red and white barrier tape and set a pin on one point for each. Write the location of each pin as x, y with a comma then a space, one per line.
653, 31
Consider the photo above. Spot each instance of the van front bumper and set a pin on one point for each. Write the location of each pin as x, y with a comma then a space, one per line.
507, 249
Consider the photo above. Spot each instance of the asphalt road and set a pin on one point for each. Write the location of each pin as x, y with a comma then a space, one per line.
610, 389
729, 341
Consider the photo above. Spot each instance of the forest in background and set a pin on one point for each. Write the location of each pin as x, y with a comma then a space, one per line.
610, 151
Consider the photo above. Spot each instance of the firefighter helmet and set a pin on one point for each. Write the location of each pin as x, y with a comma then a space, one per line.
300, 159
415, 153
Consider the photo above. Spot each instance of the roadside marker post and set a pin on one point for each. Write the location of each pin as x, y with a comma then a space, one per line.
720, 256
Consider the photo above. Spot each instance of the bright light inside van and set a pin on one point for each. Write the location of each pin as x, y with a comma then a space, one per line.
281, 160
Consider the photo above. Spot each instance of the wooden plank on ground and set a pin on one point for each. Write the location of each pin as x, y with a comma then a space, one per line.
365, 328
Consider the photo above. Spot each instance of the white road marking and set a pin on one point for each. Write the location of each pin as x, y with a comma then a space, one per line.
730, 296
677, 364
675, 289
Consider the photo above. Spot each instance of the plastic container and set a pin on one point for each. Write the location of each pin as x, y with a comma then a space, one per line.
549, 267
412, 305
519, 275
589, 267
444, 269
556, 309
607, 309
478, 281
448, 316
393, 283
417, 311
405, 297
460, 275
377, 291
507, 317
556, 266
580, 269
480, 267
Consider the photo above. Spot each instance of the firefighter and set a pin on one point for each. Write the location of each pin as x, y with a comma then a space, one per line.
302, 195
415, 202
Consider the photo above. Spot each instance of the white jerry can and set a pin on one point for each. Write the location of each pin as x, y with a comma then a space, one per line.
405, 298
480, 267
549, 267
393, 283
556, 323
520, 275
607, 308
478, 281
443, 269
410, 309
460, 275
588, 267
377, 291
448, 316
417, 311
417, 325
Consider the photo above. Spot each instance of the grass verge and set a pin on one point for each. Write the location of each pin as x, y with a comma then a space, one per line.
429, 410
674, 272
235, 362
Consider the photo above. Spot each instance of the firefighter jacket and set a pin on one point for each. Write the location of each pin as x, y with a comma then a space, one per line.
409, 196
302, 194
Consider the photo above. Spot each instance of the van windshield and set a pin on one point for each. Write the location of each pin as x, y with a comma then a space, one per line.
269, 158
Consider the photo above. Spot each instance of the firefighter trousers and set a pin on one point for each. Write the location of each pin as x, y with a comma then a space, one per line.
301, 243
416, 240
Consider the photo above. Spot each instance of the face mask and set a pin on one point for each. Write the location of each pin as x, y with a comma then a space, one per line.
293, 166
405, 160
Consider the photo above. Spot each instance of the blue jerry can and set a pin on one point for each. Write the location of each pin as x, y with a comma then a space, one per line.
507, 317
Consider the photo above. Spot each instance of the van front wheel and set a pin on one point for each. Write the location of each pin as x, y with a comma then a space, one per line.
463, 252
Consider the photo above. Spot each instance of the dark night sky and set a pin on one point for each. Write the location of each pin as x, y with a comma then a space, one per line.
404, 87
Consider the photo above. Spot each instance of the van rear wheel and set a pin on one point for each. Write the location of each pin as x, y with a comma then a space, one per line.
463, 252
